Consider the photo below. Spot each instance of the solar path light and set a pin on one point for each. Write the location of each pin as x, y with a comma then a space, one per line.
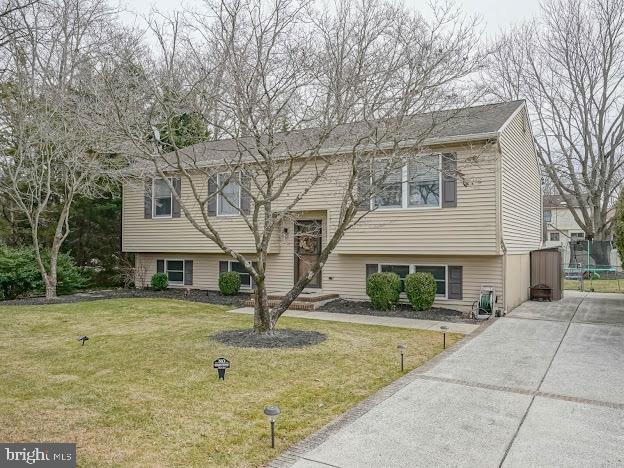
272, 412
444, 328
83, 339
402, 347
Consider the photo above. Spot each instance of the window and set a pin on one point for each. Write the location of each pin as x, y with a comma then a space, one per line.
391, 195
424, 181
414, 185
577, 235
228, 201
175, 271
547, 216
554, 236
245, 278
401, 270
439, 273
162, 199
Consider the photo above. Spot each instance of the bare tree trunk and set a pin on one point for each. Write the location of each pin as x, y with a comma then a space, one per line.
262, 311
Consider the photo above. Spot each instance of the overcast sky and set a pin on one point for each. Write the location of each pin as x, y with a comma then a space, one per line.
495, 13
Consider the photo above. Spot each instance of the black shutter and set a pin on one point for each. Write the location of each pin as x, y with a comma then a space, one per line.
160, 266
455, 286
223, 267
188, 272
245, 200
147, 200
364, 184
371, 268
175, 205
212, 192
449, 180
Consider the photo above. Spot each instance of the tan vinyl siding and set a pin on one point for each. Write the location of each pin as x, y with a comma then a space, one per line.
517, 279
178, 234
468, 229
347, 273
521, 187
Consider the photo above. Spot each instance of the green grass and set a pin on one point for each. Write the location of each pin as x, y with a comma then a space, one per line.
142, 391
601, 285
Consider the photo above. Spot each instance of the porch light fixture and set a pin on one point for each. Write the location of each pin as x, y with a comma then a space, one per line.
402, 347
444, 328
272, 412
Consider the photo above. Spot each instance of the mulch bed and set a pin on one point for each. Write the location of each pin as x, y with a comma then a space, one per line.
195, 295
342, 306
280, 338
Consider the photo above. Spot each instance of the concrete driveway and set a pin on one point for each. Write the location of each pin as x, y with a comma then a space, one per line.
541, 387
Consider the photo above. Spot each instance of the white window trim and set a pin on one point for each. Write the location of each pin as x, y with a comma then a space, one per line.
154, 215
412, 269
405, 189
220, 196
245, 287
167, 271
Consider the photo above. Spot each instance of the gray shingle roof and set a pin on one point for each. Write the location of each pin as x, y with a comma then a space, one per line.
455, 125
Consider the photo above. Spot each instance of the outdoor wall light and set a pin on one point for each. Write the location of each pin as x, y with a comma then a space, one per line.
444, 328
272, 412
402, 347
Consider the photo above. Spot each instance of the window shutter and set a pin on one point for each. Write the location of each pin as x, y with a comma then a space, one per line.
175, 205
455, 286
223, 267
245, 199
212, 190
370, 269
147, 200
160, 266
364, 184
449, 180
188, 272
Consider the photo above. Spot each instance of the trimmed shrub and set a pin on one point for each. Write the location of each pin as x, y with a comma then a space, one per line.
229, 283
383, 290
420, 289
20, 276
159, 282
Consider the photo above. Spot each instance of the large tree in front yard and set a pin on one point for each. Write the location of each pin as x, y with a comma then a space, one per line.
48, 154
569, 65
306, 102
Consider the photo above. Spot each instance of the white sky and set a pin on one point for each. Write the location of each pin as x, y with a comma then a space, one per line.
496, 14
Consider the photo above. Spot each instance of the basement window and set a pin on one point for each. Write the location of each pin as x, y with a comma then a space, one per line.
175, 271
245, 278
439, 272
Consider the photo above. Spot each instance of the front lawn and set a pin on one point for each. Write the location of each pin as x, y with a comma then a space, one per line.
142, 391
601, 285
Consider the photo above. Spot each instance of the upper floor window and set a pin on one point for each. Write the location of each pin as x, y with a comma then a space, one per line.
229, 198
161, 199
547, 216
413, 185
577, 235
554, 236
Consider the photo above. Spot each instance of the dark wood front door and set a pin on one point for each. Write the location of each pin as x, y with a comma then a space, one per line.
308, 245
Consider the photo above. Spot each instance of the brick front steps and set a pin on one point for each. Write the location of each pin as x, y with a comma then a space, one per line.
304, 302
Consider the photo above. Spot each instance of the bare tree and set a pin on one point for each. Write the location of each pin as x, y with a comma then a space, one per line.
48, 156
569, 65
305, 100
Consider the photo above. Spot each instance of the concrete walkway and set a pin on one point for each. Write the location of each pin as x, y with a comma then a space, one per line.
400, 322
543, 387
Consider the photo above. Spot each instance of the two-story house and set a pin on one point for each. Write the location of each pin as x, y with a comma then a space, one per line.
561, 228
467, 233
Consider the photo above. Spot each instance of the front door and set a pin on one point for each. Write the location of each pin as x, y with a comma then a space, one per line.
308, 240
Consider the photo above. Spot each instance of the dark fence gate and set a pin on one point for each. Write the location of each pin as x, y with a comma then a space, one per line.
546, 274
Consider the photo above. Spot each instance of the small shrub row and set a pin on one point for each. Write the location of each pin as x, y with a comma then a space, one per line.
384, 290
229, 282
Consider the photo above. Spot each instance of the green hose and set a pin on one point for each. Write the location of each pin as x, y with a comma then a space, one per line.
485, 303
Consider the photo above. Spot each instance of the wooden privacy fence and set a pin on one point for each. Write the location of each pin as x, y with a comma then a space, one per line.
547, 270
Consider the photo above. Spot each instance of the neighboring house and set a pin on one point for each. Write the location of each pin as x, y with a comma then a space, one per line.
561, 228
466, 235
